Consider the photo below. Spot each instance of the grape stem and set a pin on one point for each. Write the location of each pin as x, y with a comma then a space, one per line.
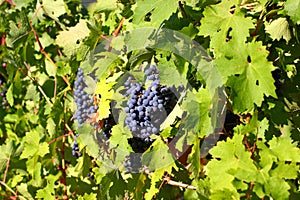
167, 180
6, 168
116, 32
59, 137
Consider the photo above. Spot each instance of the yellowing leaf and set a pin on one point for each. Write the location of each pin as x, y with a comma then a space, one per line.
106, 92
71, 39
54, 9
279, 28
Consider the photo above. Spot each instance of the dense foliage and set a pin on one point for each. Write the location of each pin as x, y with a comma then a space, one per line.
165, 99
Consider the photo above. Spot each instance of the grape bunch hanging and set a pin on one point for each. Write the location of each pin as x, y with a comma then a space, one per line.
87, 109
146, 110
85, 106
85, 102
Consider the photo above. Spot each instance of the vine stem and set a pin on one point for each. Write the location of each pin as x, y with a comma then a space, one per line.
181, 6
116, 32
46, 54
11, 2
168, 181
35, 81
68, 128
11, 190
58, 138
63, 162
6, 168
47, 99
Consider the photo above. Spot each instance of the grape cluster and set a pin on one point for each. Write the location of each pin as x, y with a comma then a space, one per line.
147, 108
85, 102
85, 106
2, 93
133, 163
75, 148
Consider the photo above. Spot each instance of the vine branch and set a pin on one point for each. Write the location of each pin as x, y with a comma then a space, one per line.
6, 168
46, 54
167, 180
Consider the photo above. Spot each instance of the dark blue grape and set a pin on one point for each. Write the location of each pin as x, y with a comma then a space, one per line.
147, 108
84, 101
85, 108
75, 148
3, 93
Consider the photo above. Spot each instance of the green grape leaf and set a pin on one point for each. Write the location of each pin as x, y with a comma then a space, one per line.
103, 5
166, 68
157, 156
220, 24
198, 105
48, 192
103, 65
293, 9
34, 168
270, 176
119, 142
21, 3
6, 151
32, 93
176, 112
231, 161
9, 95
284, 170
71, 39
18, 30
158, 12
87, 196
284, 149
23, 190
87, 140
16, 179
255, 82
51, 70
254, 126
279, 28
45, 40
194, 157
33, 146
159, 172
277, 188
51, 127
82, 168
227, 35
